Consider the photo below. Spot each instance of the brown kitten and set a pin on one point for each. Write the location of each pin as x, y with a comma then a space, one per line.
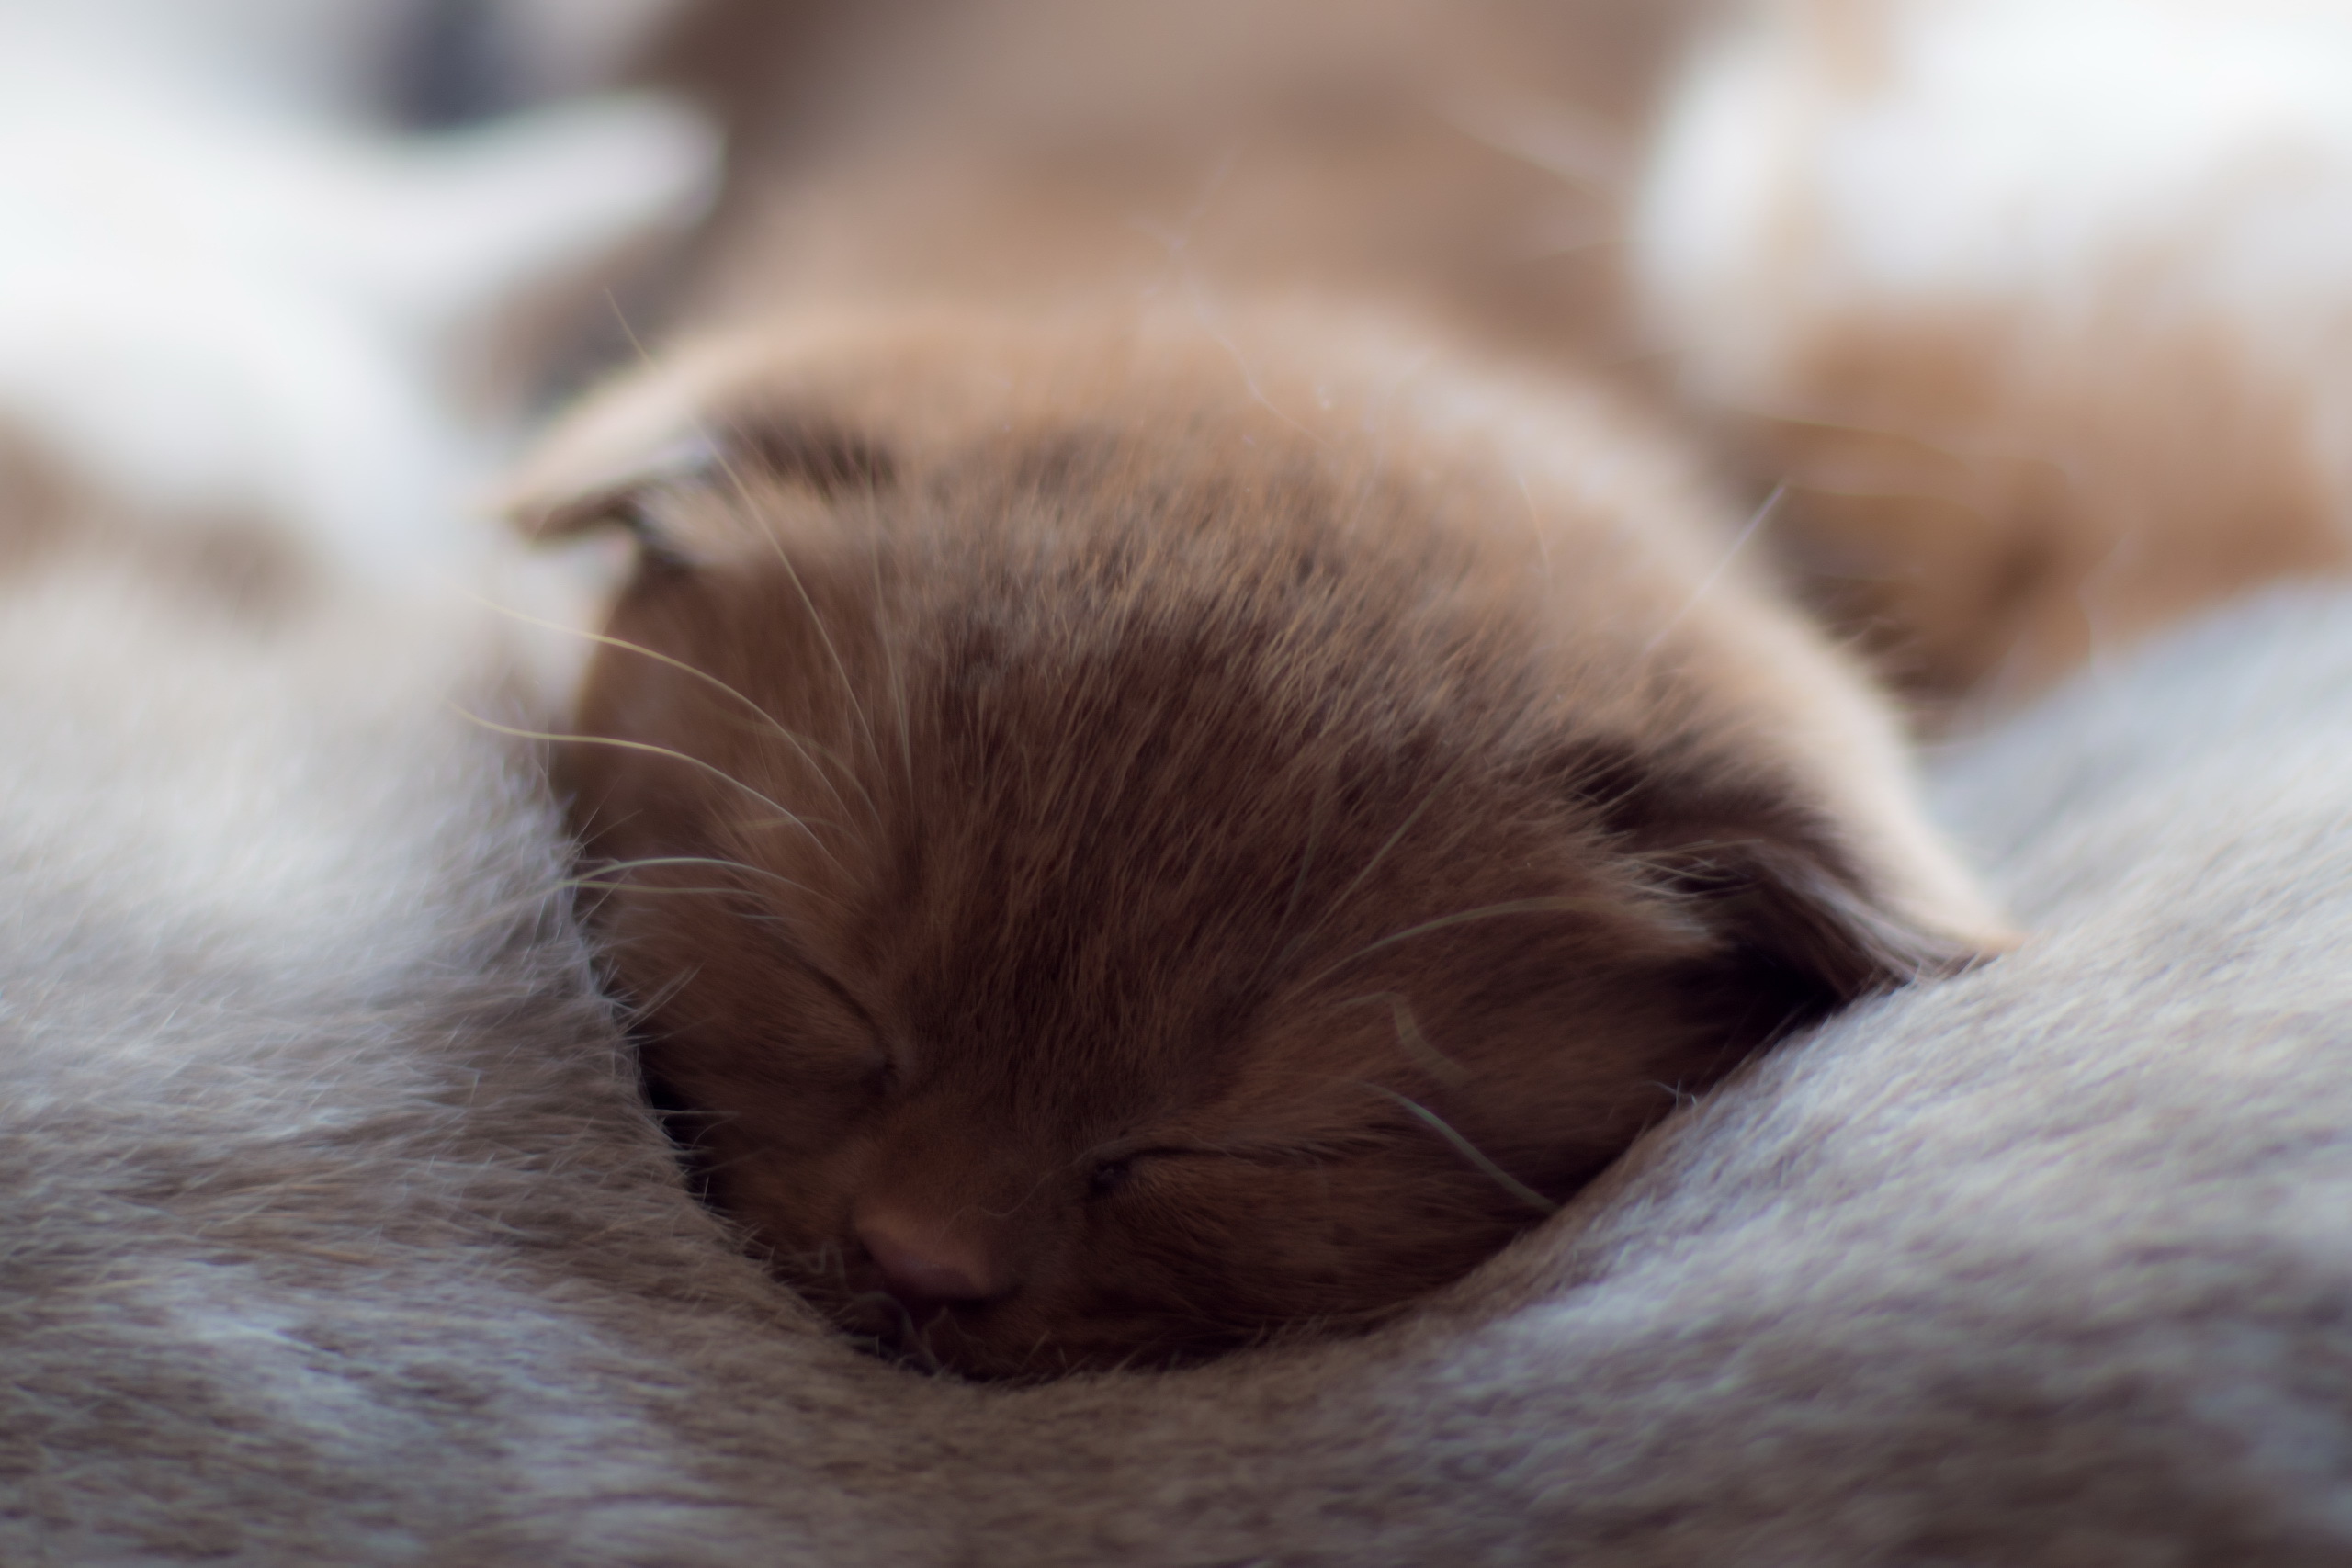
1131, 838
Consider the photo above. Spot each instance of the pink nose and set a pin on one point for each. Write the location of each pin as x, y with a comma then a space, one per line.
924, 1262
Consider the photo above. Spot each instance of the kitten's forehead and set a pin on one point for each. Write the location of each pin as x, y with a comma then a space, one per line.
1143, 860
1161, 743
921, 381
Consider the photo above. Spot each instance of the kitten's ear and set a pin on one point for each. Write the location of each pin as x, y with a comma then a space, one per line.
1799, 904
609, 462
622, 497
1784, 885
648, 440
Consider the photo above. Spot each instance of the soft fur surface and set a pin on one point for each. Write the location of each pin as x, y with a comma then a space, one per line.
1465, 160
334, 1231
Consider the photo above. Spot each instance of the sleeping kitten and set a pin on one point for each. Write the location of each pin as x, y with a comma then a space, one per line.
1127, 838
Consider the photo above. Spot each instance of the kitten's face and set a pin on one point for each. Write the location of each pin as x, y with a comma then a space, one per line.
1105, 889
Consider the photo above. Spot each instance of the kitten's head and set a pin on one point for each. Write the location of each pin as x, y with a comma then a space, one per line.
1111, 873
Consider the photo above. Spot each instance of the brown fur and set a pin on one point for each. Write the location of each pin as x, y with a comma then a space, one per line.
1187, 846
1990, 521
1468, 158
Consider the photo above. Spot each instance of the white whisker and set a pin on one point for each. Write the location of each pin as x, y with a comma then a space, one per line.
784, 557
1706, 584
783, 815
1469, 1151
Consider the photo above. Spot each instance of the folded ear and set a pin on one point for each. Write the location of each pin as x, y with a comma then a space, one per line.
605, 461
1780, 881
652, 438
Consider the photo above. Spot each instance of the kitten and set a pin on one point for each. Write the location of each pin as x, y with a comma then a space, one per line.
2039, 308
219, 308
1127, 837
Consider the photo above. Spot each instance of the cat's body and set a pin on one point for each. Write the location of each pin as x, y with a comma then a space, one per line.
1467, 159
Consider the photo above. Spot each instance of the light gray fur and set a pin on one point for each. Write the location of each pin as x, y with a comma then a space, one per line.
333, 1231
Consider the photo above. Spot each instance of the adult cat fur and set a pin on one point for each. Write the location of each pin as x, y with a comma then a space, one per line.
335, 1230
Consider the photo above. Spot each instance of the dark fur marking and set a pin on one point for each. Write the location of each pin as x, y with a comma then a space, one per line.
830, 460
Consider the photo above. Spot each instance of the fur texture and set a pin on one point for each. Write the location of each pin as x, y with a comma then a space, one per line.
335, 1230
1467, 159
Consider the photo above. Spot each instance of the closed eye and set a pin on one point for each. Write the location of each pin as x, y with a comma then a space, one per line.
1109, 1175
1112, 1174
889, 1064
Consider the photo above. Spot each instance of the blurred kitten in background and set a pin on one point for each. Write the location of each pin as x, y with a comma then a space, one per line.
236, 300
2042, 308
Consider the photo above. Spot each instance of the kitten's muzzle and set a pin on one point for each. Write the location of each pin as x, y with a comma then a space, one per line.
926, 1265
